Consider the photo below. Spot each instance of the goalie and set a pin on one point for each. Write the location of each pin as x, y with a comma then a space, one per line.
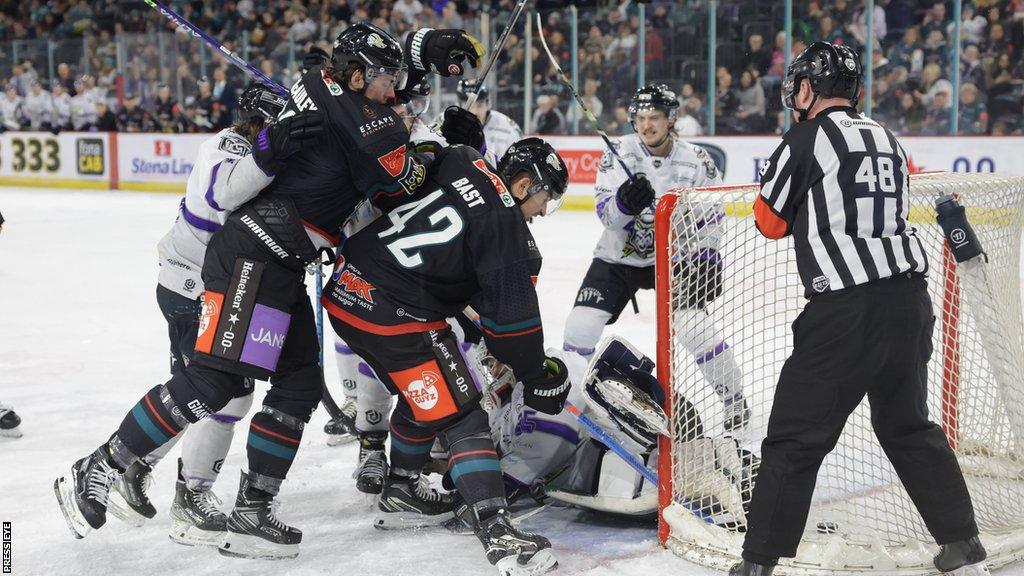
554, 456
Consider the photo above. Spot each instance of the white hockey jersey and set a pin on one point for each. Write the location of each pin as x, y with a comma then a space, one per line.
62, 109
500, 133
38, 109
629, 239
224, 177
12, 113
83, 112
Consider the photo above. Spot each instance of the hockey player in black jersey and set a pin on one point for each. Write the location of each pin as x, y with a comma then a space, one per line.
256, 320
463, 242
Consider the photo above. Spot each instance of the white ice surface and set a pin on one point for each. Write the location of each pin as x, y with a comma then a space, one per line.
81, 339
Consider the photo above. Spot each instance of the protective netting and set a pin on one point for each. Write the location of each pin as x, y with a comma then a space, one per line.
861, 519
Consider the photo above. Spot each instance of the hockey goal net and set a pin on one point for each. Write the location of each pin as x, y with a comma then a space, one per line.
861, 520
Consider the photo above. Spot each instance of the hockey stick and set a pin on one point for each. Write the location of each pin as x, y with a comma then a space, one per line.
516, 11
231, 56
579, 100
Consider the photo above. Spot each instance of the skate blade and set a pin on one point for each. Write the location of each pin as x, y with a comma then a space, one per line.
119, 508
62, 488
408, 520
340, 439
10, 433
188, 534
542, 562
245, 546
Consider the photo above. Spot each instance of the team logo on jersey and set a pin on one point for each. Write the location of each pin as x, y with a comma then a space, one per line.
425, 391
820, 284
656, 162
503, 193
332, 86
640, 241
393, 161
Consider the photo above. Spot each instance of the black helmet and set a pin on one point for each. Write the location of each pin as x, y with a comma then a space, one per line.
467, 86
654, 97
834, 72
376, 50
547, 169
259, 101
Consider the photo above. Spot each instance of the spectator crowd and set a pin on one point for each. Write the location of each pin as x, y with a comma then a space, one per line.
134, 71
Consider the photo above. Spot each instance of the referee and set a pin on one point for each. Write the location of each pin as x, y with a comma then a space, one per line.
838, 183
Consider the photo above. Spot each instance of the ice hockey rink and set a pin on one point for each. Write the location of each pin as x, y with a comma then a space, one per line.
81, 338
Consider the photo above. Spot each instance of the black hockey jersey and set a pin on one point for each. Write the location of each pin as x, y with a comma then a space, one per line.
364, 154
462, 241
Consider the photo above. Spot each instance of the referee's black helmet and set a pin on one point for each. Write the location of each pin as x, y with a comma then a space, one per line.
833, 71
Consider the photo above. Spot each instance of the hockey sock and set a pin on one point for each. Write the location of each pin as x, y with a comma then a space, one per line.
151, 423
348, 366
274, 439
410, 446
476, 471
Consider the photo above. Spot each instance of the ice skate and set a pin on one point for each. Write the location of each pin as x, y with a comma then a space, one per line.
411, 503
745, 568
82, 494
253, 531
128, 500
342, 430
955, 556
197, 519
736, 413
373, 465
9, 423
512, 551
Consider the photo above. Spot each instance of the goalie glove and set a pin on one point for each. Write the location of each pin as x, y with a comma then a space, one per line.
548, 394
443, 52
630, 409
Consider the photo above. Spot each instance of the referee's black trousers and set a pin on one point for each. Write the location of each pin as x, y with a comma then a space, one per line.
872, 339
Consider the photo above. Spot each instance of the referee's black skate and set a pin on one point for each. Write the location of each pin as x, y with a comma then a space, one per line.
9, 422
128, 500
746, 568
956, 555
373, 465
196, 517
410, 502
512, 551
82, 494
253, 529
342, 430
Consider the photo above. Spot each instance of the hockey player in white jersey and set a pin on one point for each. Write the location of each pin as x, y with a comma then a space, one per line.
224, 177
500, 131
61, 108
624, 257
11, 109
38, 107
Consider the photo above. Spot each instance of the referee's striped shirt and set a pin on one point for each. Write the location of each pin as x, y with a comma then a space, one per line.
839, 183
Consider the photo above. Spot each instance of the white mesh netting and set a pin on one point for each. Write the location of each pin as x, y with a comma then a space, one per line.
861, 519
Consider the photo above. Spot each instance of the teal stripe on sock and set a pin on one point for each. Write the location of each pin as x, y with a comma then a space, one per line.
147, 425
407, 448
481, 465
272, 448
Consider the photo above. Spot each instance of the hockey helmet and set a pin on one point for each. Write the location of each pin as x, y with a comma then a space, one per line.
546, 168
654, 97
833, 71
467, 86
374, 49
416, 98
258, 101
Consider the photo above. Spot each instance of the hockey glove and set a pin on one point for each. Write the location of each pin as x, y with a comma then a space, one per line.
275, 143
443, 52
548, 394
635, 196
461, 126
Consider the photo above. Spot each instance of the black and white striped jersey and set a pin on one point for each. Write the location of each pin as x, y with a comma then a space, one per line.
839, 184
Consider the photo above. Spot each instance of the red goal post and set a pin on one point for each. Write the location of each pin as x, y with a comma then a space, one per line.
975, 386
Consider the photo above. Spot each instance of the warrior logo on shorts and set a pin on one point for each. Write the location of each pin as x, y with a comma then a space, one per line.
423, 392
